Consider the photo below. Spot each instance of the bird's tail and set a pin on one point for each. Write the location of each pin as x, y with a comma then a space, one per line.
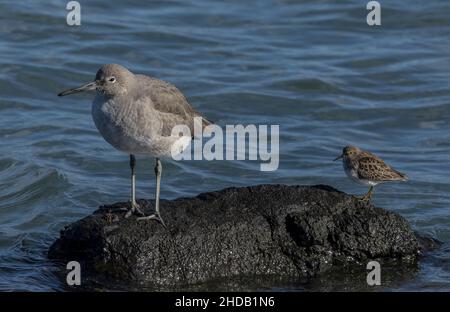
205, 122
401, 176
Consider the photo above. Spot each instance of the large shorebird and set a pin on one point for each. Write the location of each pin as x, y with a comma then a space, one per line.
368, 169
136, 115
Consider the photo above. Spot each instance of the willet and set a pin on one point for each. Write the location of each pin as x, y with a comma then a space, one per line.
136, 114
368, 169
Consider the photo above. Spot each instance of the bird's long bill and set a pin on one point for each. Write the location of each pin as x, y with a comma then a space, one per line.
338, 157
86, 87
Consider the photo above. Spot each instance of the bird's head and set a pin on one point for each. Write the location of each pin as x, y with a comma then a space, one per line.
349, 152
111, 80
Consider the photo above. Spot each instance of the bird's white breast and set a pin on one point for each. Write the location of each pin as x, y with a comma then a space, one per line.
353, 174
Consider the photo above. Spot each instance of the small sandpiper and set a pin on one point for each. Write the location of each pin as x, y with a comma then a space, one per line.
368, 169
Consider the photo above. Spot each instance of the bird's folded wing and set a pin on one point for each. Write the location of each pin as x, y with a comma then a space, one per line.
172, 104
375, 169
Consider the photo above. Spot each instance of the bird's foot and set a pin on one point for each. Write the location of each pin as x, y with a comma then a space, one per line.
134, 210
154, 216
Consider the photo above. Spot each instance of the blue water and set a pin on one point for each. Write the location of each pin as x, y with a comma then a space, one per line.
313, 67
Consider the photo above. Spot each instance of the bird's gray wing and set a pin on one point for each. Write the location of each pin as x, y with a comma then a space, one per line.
171, 105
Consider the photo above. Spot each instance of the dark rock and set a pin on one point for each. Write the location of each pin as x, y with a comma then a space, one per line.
265, 230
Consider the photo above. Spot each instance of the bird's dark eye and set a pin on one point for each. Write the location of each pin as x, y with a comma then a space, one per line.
112, 79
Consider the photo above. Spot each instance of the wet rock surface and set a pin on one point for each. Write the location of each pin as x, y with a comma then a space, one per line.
264, 230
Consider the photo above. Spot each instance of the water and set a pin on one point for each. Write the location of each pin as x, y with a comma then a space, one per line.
314, 67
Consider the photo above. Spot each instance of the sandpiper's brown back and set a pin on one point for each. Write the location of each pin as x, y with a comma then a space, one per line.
373, 168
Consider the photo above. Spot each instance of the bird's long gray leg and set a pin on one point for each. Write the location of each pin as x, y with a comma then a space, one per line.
134, 205
156, 215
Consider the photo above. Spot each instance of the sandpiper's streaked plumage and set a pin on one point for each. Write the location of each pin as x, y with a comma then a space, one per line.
368, 169
136, 114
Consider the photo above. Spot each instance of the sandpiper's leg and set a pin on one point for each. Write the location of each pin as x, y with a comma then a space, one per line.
134, 205
367, 196
156, 215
